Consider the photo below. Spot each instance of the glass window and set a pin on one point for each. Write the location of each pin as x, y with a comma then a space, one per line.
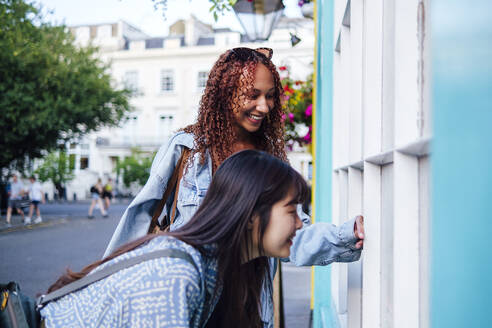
84, 163
165, 126
202, 80
130, 80
167, 80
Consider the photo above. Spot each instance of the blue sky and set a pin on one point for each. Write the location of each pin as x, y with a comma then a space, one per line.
141, 13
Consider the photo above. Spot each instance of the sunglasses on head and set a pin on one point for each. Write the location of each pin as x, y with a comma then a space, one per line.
245, 54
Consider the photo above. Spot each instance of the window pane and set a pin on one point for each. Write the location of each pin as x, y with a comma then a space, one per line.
130, 80
202, 79
167, 80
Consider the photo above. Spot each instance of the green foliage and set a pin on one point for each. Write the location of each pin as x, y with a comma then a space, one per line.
135, 168
50, 89
220, 7
56, 167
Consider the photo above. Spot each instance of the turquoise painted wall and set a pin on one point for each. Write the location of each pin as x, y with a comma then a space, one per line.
323, 313
461, 163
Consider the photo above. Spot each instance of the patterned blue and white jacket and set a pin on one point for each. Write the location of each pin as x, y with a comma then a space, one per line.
315, 244
163, 292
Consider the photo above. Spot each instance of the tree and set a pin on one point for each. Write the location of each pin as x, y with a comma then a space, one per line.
50, 89
135, 168
58, 168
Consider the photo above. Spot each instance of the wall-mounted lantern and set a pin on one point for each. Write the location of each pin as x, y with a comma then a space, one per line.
258, 17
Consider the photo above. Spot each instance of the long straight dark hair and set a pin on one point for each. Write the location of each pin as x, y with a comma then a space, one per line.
245, 187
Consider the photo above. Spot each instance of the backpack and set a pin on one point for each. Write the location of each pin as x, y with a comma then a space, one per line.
19, 310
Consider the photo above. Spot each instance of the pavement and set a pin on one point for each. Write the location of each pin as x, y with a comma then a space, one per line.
17, 224
57, 213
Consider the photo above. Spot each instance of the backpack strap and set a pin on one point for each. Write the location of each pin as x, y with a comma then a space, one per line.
109, 270
172, 185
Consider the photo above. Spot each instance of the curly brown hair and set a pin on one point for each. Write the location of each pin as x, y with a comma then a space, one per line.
230, 81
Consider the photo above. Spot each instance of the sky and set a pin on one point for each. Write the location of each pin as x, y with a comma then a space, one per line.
141, 13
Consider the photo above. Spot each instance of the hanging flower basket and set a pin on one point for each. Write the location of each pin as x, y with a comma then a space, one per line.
298, 109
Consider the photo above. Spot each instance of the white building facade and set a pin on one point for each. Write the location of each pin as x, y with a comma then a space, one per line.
168, 76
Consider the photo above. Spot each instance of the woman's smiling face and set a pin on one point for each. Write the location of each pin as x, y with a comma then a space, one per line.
255, 105
281, 228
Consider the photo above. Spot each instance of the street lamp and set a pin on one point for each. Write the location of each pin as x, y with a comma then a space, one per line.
258, 17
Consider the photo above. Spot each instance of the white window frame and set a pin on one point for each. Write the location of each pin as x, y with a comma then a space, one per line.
201, 80
161, 115
167, 82
130, 129
130, 80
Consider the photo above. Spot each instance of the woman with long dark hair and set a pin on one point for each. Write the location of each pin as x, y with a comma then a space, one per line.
248, 213
240, 109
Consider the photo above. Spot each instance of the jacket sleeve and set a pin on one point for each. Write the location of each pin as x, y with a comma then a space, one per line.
323, 243
135, 221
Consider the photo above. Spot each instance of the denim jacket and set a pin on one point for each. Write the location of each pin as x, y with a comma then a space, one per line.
315, 244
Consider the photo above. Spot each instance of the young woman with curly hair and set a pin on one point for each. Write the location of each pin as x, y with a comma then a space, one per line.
240, 109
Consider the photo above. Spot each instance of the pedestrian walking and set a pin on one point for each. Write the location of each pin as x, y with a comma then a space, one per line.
108, 193
96, 193
36, 196
240, 109
248, 213
15, 197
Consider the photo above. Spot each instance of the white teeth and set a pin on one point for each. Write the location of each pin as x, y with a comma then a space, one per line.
255, 117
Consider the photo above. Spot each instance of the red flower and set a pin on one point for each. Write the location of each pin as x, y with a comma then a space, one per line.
288, 89
282, 68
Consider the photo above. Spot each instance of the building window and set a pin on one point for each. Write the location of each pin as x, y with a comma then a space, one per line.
114, 162
167, 80
130, 129
202, 80
130, 80
84, 163
164, 126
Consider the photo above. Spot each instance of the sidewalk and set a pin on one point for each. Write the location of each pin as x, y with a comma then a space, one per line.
54, 213
297, 295
17, 224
